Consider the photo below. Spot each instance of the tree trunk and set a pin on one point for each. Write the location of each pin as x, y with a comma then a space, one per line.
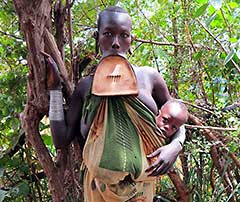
34, 18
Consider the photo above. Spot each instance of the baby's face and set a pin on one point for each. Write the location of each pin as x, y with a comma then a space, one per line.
169, 120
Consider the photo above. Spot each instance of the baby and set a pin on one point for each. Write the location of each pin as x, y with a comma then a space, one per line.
172, 115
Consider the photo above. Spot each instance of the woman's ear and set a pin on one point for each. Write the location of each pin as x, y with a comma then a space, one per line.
95, 36
132, 38
158, 118
130, 51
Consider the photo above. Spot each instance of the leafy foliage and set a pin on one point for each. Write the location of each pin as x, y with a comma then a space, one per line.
199, 61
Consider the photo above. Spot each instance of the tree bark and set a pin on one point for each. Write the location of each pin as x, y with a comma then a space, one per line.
34, 18
182, 190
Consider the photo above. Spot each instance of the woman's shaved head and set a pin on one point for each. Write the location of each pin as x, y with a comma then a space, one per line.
106, 12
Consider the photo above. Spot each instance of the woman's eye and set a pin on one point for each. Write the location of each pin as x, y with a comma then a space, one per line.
124, 35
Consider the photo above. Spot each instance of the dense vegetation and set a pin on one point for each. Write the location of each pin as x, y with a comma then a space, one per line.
194, 44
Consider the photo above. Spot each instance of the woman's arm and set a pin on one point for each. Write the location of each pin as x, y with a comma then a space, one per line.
167, 154
64, 127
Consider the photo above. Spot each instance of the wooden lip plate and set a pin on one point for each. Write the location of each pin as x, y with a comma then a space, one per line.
114, 76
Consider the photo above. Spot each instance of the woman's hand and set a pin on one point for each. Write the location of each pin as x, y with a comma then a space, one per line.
166, 156
53, 75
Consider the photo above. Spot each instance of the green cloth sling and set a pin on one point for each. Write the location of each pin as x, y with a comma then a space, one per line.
125, 123
122, 150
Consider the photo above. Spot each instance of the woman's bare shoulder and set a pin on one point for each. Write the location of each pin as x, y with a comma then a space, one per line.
84, 85
148, 71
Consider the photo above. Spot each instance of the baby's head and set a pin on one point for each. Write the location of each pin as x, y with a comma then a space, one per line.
172, 115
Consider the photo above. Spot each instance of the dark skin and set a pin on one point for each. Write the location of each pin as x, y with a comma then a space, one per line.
114, 38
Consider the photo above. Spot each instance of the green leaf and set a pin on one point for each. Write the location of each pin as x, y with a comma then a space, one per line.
177, 8
217, 4
210, 19
202, 1
47, 139
200, 11
229, 56
233, 4
197, 55
233, 40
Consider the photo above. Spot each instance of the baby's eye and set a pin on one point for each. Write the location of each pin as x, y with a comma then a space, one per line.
107, 34
165, 120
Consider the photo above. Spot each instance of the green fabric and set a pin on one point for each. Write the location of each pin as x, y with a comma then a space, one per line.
90, 107
92, 102
142, 110
122, 145
122, 151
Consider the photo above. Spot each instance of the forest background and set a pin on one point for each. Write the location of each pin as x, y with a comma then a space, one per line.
193, 44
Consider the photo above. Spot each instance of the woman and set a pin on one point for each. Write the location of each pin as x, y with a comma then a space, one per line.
114, 38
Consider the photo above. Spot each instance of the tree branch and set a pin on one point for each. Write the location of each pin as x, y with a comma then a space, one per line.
181, 188
52, 49
211, 137
198, 107
34, 17
74, 71
169, 44
11, 35
219, 43
210, 127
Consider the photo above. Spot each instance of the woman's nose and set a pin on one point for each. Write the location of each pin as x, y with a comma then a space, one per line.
115, 44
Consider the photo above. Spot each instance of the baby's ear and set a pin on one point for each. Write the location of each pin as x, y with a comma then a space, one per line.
158, 115
158, 118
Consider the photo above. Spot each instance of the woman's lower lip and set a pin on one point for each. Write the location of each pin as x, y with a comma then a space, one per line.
114, 53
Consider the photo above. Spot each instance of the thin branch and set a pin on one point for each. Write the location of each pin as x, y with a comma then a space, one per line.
225, 20
200, 64
21, 141
231, 107
70, 29
169, 44
11, 35
198, 107
220, 44
210, 127
174, 69
97, 7
181, 187
149, 21
52, 49
69, 4
211, 34
211, 137
59, 21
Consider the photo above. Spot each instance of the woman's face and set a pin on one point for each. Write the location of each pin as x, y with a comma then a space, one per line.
115, 34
